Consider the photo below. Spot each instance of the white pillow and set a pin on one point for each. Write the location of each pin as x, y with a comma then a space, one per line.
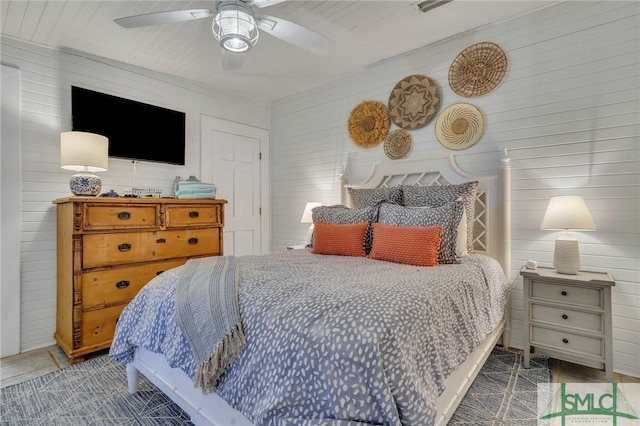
461, 241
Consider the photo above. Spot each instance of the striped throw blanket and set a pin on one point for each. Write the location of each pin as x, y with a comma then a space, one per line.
208, 312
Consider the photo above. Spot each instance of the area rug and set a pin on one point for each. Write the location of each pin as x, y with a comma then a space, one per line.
95, 393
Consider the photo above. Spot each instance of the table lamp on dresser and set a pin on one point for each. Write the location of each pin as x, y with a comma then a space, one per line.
85, 153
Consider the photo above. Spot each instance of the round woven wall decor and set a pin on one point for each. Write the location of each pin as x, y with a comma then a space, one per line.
414, 101
398, 144
478, 69
460, 126
368, 123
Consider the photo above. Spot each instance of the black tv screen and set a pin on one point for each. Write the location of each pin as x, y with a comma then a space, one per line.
136, 131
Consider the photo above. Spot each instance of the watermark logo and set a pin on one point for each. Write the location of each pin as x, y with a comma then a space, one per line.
566, 404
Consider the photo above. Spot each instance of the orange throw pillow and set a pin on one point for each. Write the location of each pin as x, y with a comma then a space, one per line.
339, 239
412, 245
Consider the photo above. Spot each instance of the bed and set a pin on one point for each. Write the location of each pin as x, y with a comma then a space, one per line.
341, 340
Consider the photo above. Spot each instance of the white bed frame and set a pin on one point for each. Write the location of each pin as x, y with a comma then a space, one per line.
492, 235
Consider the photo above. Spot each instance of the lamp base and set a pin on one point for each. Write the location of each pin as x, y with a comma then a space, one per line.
566, 255
84, 184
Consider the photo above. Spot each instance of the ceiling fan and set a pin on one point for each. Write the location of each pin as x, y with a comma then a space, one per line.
236, 27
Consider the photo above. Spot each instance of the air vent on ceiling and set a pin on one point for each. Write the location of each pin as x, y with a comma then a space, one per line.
427, 5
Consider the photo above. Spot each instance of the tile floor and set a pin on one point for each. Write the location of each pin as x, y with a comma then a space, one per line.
25, 366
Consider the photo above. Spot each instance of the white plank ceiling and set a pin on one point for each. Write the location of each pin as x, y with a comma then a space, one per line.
363, 32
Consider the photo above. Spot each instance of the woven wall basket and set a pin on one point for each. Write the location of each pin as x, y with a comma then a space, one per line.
477, 70
414, 101
460, 126
398, 144
368, 123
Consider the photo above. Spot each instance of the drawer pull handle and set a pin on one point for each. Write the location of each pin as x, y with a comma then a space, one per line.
564, 316
122, 284
565, 340
124, 215
193, 241
124, 247
161, 240
194, 214
564, 293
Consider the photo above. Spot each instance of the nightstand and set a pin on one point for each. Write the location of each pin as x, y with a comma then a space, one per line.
298, 247
568, 317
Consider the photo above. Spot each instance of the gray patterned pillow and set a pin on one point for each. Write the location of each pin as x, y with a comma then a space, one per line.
365, 197
447, 216
340, 214
436, 196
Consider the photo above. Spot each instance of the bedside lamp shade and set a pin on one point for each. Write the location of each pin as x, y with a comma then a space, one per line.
567, 212
307, 217
84, 153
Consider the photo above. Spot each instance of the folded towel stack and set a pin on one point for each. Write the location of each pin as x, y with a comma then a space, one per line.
194, 189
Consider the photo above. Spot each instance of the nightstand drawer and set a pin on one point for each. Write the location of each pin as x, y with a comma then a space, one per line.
561, 340
586, 296
568, 318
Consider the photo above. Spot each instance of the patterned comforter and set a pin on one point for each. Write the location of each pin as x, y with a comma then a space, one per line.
334, 340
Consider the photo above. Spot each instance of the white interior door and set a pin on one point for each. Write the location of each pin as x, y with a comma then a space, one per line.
233, 158
10, 189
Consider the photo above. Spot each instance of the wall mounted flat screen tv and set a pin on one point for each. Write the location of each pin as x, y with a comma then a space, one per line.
136, 131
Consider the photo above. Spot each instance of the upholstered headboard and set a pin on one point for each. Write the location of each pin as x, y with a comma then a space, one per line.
492, 221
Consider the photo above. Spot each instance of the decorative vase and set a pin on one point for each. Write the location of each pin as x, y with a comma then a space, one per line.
84, 184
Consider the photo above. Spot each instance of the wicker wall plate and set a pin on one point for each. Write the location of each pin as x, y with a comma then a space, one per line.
368, 123
414, 101
460, 126
398, 144
477, 70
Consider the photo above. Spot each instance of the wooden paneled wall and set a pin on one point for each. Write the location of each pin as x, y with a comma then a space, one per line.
568, 111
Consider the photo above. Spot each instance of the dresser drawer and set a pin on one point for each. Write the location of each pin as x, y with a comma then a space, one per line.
120, 216
109, 287
98, 327
586, 296
131, 247
180, 216
567, 318
561, 340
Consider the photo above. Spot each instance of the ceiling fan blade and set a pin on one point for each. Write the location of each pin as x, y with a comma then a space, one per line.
264, 3
295, 34
167, 17
231, 60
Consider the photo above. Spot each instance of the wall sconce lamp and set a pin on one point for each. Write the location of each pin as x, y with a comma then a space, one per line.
566, 212
85, 153
307, 217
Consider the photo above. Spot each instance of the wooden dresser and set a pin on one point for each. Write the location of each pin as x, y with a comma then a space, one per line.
109, 248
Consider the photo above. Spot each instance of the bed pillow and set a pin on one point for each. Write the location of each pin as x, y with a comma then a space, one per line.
365, 197
436, 196
411, 245
341, 239
340, 214
447, 216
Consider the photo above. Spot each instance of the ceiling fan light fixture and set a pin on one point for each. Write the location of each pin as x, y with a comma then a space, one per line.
234, 28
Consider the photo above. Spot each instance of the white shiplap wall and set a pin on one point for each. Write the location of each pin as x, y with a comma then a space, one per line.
568, 112
47, 76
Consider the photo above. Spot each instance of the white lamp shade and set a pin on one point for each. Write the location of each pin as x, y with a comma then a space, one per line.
307, 214
82, 151
567, 212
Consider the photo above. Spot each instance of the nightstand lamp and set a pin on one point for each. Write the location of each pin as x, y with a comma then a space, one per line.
567, 212
308, 218
85, 153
